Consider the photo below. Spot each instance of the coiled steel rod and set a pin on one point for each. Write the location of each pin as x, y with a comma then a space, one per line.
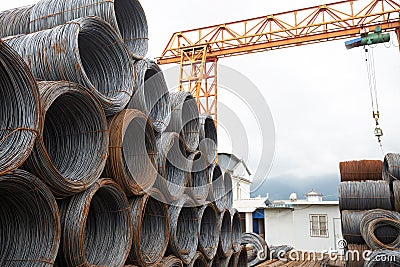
208, 138
184, 226
396, 195
259, 244
383, 258
217, 188
185, 119
198, 261
380, 229
72, 149
20, 118
241, 257
97, 227
152, 95
364, 195
170, 261
208, 231
127, 17
86, 51
29, 221
225, 238
228, 190
172, 166
360, 170
351, 230
132, 152
198, 184
150, 229
15, 21
391, 167
236, 230
356, 255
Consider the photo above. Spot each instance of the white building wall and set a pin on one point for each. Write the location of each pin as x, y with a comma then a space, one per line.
241, 189
292, 227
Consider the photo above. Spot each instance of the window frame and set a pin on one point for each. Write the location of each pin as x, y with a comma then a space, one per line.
318, 231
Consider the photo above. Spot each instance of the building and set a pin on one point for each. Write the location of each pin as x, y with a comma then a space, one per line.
241, 176
308, 224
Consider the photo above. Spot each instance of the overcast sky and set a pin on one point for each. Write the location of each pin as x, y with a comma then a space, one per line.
318, 94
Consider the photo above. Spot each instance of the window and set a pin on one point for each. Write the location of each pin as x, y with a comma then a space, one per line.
319, 225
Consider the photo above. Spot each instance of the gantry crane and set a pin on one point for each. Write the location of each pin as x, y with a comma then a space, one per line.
198, 50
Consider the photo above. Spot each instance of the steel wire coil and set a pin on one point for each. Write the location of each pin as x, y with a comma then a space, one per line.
225, 238
97, 227
184, 225
71, 150
275, 252
15, 21
391, 167
185, 119
356, 255
396, 195
172, 166
217, 189
228, 190
381, 229
127, 18
208, 137
228, 261
86, 51
198, 261
20, 119
170, 261
360, 170
258, 243
150, 223
351, 230
364, 195
198, 185
132, 152
241, 257
236, 230
29, 221
152, 95
383, 258
208, 231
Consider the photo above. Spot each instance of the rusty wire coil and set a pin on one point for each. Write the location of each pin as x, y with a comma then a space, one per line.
356, 255
360, 170
29, 221
241, 257
383, 258
380, 229
127, 17
184, 226
259, 245
198, 185
208, 231
228, 190
150, 223
97, 227
198, 261
15, 21
236, 230
185, 119
172, 166
225, 238
364, 195
228, 261
391, 167
72, 147
132, 152
152, 95
19, 111
86, 51
170, 261
217, 188
208, 137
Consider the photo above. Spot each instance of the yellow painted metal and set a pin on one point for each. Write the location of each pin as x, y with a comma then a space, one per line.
198, 50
